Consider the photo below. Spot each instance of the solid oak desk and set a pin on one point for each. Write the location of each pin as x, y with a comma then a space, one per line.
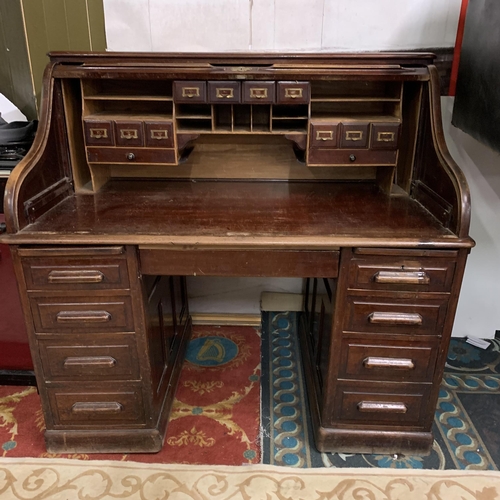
148, 168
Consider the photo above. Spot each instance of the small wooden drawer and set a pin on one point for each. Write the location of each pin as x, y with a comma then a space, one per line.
348, 157
269, 263
398, 362
323, 135
354, 135
397, 316
402, 272
132, 156
99, 132
129, 133
81, 314
91, 407
190, 91
75, 274
85, 357
159, 134
258, 92
293, 92
381, 404
384, 135
224, 92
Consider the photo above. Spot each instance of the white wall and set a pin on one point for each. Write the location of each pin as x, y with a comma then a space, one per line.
283, 25
478, 313
326, 25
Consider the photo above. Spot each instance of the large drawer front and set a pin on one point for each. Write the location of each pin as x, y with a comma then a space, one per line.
92, 407
269, 263
75, 274
402, 273
113, 358
382, 404
81, 314
398, 316
396, 362
131, 156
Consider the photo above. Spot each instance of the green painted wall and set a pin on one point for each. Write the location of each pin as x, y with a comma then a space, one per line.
36, 27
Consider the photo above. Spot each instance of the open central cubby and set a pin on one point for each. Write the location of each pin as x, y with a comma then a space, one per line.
241, 118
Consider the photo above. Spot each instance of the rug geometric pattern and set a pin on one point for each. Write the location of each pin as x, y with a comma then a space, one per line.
466, 426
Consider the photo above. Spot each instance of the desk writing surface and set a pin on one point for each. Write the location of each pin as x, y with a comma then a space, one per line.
203, 211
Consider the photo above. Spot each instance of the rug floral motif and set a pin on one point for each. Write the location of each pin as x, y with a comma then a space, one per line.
215, 418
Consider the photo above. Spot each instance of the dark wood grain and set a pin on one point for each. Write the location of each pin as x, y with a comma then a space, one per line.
376, 219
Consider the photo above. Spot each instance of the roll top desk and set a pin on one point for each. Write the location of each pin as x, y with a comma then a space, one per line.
148, 168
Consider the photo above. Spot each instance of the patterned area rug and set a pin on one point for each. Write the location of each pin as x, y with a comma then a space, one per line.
59, 479
215, 417
466, 425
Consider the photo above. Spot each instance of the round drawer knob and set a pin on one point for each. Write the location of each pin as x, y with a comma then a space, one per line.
130, 156
352, 157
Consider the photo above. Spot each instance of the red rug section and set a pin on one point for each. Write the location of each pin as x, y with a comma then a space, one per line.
215, 417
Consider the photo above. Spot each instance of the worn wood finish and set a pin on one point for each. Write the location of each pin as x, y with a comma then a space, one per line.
151, 167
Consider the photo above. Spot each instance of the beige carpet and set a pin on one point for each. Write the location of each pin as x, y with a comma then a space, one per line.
61, 479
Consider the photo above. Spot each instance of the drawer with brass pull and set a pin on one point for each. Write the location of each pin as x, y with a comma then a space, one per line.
129, 133
399, 361
159, 134
258, 92
91, 406
190, 91
78, 273
99, 132
377, 403
224, 92
373, 314
90, 357
323, 135
354, 135
384, 135
75, 314
293, 92
402, 272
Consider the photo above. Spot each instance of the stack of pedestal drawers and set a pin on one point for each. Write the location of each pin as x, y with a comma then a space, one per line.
85, 331
395, 311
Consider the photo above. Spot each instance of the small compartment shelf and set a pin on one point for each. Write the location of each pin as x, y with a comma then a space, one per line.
134, 90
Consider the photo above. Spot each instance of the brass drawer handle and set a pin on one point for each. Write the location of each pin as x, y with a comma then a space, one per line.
129, 133
293, 93
96, 407
190, 92
258, 93
98, 133
97, 361
402, 277
159, 134
381, 407
386, 137
395, 363
80, 276
393, 318
324, 135
83, 317
354, 135
223, 93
